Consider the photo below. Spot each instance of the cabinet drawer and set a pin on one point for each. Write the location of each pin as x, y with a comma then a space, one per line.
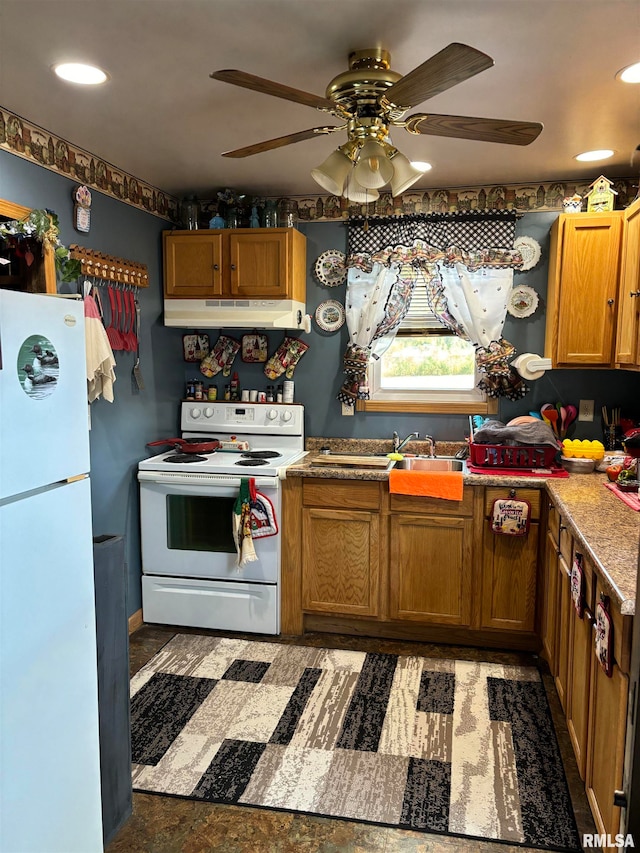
534, 496
343, 494
432, 506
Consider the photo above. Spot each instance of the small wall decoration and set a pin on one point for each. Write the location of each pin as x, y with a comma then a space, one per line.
330, 315
254, 348
601, 196
195, 346
331, 268
523, 301
530, 251
82, 209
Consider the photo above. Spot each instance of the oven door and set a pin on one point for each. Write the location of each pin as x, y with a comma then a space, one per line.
186, 528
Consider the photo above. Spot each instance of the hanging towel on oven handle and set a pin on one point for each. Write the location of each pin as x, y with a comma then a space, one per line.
262, 515
241, 525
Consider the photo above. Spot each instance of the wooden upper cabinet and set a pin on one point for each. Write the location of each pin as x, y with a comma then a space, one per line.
627, 336
250, 263
583, 288
192, 264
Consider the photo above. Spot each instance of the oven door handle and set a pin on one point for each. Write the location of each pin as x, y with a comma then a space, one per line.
201, 484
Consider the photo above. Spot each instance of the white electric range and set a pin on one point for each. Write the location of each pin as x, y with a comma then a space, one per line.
189, 557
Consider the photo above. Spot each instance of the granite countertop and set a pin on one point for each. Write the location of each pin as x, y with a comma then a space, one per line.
605, 527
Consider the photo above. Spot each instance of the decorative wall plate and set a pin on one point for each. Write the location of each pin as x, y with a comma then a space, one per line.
330, 315
523, 301
530, 251
331, 268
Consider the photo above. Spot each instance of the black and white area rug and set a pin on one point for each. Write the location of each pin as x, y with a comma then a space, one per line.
447, 746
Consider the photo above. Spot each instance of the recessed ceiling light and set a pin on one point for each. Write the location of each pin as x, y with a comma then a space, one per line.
77, 72
630, 74
420, 164
589, 156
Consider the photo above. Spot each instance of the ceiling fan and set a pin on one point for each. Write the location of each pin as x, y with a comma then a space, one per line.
370, 99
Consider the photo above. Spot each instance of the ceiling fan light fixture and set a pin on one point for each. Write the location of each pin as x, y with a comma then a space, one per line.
358, 194
332, 174
405, 173
373, 169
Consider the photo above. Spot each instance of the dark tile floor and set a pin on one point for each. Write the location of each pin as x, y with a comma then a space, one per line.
170, 825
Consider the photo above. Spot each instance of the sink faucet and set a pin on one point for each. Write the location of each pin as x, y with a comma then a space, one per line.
432, 446
398, 445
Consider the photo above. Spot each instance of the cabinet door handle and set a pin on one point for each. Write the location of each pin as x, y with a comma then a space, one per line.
635, 293
233, 266
216, 266
610, 301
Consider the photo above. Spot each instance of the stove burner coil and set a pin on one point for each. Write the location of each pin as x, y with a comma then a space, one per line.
253, 462
261, 454
185, 457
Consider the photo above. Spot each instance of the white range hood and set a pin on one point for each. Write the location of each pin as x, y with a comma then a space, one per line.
236, 314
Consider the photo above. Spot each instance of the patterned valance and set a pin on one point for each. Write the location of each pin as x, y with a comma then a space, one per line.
467, 232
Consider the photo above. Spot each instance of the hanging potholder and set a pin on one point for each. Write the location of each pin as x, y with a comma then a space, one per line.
510, 517
195, 346
254, 348
577, 585
604, 636
263, 516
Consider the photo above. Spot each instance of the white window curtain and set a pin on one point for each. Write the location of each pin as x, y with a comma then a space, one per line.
467, 290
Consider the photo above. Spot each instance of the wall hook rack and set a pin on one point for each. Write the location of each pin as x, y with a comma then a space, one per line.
110, 268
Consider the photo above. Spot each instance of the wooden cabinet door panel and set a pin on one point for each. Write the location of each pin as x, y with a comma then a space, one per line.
605, 755
588, 289
509, 580
563, 636
577, 709
549, 604
431, 569
340, 558
193, 265
627, 345
258, 265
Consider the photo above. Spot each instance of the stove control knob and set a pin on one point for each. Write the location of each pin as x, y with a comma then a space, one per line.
195, 413
286, 416
208, 412
272, 415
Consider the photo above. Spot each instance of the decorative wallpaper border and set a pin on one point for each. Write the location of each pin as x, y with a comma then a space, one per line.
27, 140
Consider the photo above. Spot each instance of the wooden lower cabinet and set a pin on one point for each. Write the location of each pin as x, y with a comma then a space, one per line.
340, 556
430, 569
577, 707
549, 607
605, 750
563, 637
509, 580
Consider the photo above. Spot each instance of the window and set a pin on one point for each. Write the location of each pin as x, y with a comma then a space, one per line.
426, 368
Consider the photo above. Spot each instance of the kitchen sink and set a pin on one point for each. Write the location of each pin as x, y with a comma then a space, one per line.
429, 463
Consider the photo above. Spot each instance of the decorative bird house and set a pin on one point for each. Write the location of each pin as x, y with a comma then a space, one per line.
601, 196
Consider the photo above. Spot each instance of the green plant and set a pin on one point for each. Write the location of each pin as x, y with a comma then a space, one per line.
43, 226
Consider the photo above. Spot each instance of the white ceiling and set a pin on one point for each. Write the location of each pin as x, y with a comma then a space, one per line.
162, 119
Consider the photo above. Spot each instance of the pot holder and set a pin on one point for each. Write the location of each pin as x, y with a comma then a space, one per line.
254, 348
510, 517
604, 636
263, 516
241, 525
221, 357
577, 585
285, 358
195, 346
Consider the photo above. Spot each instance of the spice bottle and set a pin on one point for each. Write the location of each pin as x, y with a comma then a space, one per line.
270, 394
279, 397
198, 391
235, 387
227, 391
212, 392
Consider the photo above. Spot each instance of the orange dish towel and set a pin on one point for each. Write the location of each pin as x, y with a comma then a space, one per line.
430, 484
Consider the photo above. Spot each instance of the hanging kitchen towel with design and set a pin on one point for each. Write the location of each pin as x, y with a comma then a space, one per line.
510, 517
577, 584
604, 635
263, 516
241, 524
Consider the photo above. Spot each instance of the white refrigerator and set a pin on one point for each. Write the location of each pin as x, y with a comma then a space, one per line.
50, 798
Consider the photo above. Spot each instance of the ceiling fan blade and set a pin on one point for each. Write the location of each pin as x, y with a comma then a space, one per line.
269, 87
452, 65
280, 141
479, 129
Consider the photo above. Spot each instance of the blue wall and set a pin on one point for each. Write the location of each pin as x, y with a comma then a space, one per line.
120, 430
